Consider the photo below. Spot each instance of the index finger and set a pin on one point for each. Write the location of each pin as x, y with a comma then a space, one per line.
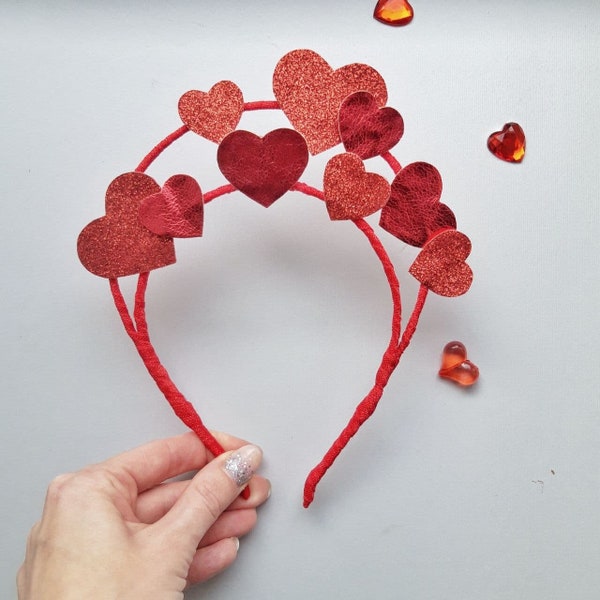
153, 463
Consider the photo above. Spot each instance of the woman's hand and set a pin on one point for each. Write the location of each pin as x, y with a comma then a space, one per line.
116, 530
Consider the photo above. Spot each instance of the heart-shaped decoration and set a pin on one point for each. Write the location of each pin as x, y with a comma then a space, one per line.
176, 211
441, 265
394, 12
263, 168
215, 113
349, 191
310, 93
366, 129
414, 213
508, 144
455, 365
117, 244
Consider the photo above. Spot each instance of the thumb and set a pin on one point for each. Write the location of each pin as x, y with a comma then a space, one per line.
210, 492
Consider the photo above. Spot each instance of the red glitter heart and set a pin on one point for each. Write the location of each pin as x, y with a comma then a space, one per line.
414, 212
177, 210
118, 244
441, 265
310, 93
455, 365
508, 144
215, 113
350, 192
263, 168
366, 129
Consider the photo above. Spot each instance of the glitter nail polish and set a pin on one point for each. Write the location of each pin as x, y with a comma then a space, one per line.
240, 466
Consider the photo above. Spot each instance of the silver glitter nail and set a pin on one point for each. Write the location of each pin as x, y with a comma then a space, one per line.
239, 469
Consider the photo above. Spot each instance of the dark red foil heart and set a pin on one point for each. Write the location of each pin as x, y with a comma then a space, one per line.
414, 213
366, 129
263, 168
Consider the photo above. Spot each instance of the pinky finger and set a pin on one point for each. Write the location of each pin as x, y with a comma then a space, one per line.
211, 560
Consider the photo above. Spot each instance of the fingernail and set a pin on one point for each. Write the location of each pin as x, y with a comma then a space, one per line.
240, 465
236, 541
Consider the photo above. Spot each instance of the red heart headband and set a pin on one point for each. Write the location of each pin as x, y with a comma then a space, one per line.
325, 107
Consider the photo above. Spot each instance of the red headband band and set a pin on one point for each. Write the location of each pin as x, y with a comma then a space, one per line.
326, 107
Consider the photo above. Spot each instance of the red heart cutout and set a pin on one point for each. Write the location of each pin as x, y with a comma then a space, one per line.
350, 192
310, 93
508, 144
263, 168
215, 113
118, 244
177, 210
414, 213
366, 129
455, 365
441, 265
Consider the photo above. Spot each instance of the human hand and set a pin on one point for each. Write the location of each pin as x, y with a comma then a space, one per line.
119, 530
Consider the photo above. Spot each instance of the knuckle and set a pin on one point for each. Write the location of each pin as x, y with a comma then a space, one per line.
57, 486
73, 485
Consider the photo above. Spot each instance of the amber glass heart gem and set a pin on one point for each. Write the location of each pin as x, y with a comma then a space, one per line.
455, 365
508, 144
394, 12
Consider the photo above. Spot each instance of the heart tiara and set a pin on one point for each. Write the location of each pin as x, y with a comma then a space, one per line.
325, 107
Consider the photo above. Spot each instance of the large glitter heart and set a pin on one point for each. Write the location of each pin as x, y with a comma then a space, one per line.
215, 113
414, 212
366, 129
350, 192
263, 168
176, 211
441, 265
310, 93
117, 244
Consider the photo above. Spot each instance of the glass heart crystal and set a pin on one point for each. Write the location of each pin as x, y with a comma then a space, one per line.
455, 365
508, 144
394, 12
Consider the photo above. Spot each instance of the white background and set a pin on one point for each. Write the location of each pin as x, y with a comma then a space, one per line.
274, 322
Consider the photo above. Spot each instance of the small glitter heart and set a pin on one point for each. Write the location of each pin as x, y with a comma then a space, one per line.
455, 365
394, 12
441, 265
215, 113
508, 144
351, 192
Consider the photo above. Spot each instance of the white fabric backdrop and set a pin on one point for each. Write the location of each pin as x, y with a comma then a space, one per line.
274, 322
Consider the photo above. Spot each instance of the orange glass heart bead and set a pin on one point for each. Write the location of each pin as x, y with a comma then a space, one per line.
455, 365
394, 12
508, 144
